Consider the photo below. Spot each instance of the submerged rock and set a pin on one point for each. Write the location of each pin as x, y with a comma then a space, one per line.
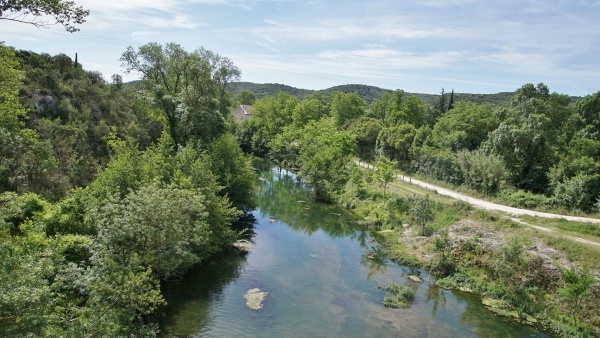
243, 245
255, 298
415, 279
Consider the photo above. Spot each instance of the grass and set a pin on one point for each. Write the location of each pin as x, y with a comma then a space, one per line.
586, 254
592, 229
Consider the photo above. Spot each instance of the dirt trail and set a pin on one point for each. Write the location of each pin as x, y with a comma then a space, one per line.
485, 204
573, 238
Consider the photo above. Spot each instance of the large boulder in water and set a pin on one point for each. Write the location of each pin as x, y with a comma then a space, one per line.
255, 298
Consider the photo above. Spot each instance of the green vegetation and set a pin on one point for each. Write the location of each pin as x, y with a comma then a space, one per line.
368, 93
104, 193
36, 13
108, 189
400, 296
538, 151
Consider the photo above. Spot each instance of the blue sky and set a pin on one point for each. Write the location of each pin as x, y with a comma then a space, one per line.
419, 46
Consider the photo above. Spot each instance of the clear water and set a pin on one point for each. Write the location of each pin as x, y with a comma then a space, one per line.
312, 259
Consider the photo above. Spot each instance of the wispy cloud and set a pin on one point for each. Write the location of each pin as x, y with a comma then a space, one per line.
387, 59
142, 33
352, 29
419, 43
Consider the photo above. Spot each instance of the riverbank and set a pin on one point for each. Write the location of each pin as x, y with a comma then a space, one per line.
519, 270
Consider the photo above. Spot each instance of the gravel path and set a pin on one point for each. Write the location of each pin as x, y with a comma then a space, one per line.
485, 204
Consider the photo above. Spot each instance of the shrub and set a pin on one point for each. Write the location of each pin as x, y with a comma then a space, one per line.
481, 171
401, 296
577, 192
421, 212
526, 199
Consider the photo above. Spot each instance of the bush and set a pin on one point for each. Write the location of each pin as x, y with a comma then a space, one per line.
401, 296
526, 199
481, 171
15, 209
421, 212
438, 164
577, 192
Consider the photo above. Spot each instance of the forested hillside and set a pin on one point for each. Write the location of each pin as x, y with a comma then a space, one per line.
106, 190
367, 93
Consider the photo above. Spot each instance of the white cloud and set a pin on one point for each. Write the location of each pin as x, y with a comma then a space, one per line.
142, 33
388, 59
363, 28
446, 3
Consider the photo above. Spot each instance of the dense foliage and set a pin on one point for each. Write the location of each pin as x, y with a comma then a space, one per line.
539, 150
107, 189
542, 145
104, 192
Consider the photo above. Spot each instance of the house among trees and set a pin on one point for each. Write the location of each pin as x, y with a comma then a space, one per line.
243, 112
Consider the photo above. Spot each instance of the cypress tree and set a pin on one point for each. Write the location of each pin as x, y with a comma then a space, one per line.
451, 103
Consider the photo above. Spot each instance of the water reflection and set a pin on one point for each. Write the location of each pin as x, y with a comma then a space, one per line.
191, 301
282, 197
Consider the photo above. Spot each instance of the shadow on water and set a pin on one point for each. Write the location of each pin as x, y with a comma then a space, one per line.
322, 273
191, 299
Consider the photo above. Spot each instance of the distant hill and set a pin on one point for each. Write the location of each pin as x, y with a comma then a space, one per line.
367, 93
261, 90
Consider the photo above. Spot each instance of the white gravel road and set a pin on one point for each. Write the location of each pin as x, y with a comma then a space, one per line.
485, 204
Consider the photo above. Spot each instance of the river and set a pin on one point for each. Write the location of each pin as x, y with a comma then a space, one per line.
322, 273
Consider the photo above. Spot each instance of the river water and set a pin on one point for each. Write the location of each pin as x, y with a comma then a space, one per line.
322, 274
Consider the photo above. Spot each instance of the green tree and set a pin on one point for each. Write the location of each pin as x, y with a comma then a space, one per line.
577, 283
464, 127
188, 87
270, 115
396, 143
366, 130
410, 109
525, 148
588, 109
421, 213
35, 12
440, 107
166, 226
308, 110
481, 171
326, 157
244, 97
381, 107
234, 172
11, 76
346, 107
385, 172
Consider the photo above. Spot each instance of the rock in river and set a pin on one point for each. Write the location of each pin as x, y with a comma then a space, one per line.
255, 298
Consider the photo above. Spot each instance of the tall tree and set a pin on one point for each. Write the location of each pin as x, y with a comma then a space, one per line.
36, 13
451, 102
188, 87
326, 157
